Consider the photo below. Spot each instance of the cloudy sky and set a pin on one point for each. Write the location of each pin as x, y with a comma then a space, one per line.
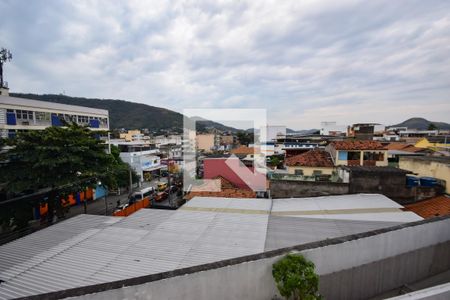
304, 61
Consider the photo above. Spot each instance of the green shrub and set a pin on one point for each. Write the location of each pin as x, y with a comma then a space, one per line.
295, 277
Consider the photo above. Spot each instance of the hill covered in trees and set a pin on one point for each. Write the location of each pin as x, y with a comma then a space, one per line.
422, 124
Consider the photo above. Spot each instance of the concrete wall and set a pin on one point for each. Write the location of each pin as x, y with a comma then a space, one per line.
392, 185
354, 267
308, 171
295, 188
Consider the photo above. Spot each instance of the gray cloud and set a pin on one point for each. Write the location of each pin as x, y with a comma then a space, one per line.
305, 61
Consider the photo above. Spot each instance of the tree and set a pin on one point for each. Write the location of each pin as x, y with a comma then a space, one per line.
432, 126
245, 138
121, 170
60, 159
295, 277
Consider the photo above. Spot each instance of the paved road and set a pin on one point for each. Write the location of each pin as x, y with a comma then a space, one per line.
106, 206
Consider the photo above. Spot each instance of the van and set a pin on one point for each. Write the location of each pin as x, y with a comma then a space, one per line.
144, 193
162, 186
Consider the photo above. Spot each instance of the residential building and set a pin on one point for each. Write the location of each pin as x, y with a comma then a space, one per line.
428, 166
311, 163
396, 150
388, 181
358, 153
174, 139
439, 142
236, 172
142, 162
206, 142
430, 208
132, 135
141, 156
19, 114
362, 131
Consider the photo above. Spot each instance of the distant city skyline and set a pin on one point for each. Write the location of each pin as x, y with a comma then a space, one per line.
304, 61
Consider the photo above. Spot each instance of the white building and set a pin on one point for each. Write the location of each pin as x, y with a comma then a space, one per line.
142, 161
18, 114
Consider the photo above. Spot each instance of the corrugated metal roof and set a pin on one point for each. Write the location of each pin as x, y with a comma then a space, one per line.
89, 249
290, 231
354, 201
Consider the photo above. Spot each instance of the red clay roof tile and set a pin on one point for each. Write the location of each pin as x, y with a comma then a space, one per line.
437, 206
358, 145
312, 158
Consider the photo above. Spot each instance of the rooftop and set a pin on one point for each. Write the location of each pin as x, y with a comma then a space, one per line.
312, 158
244, 150
404, 147
87, 249
440, 139
441, 159
377, 170
437, 206
357, 145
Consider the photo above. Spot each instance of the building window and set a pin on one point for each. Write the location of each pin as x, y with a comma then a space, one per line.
42, 116
83, 119
317, 172
24, 114
298, 172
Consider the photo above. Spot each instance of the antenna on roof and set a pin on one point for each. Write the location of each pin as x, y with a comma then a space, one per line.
5, 55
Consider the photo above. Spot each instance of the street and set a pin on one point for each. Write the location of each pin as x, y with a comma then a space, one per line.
106, 206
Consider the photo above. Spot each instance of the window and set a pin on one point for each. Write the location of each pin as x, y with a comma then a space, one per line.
83, 119
42, 116
317, 173
24, 114
299, 172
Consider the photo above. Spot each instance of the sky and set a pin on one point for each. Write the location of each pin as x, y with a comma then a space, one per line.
303, 61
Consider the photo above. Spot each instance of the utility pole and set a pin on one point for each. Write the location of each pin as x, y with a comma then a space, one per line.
131, 180
5, 55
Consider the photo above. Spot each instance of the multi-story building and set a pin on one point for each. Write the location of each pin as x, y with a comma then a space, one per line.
358, 153
206, 142
19, 114
142, 157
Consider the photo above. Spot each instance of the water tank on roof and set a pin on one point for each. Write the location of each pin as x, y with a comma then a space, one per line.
412, 181
428, 181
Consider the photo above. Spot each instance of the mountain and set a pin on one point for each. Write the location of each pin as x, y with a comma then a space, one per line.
421, 123
129, 115
203, 124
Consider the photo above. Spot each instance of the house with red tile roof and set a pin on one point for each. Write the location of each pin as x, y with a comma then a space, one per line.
405, 147
311, 163
437, 206
358, 153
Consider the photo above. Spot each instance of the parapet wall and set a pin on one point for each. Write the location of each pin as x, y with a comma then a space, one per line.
353, 267
299, 189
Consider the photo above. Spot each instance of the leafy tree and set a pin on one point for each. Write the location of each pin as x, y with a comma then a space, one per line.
431, 126
121, 170
295, 277
245, 138
64, 160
